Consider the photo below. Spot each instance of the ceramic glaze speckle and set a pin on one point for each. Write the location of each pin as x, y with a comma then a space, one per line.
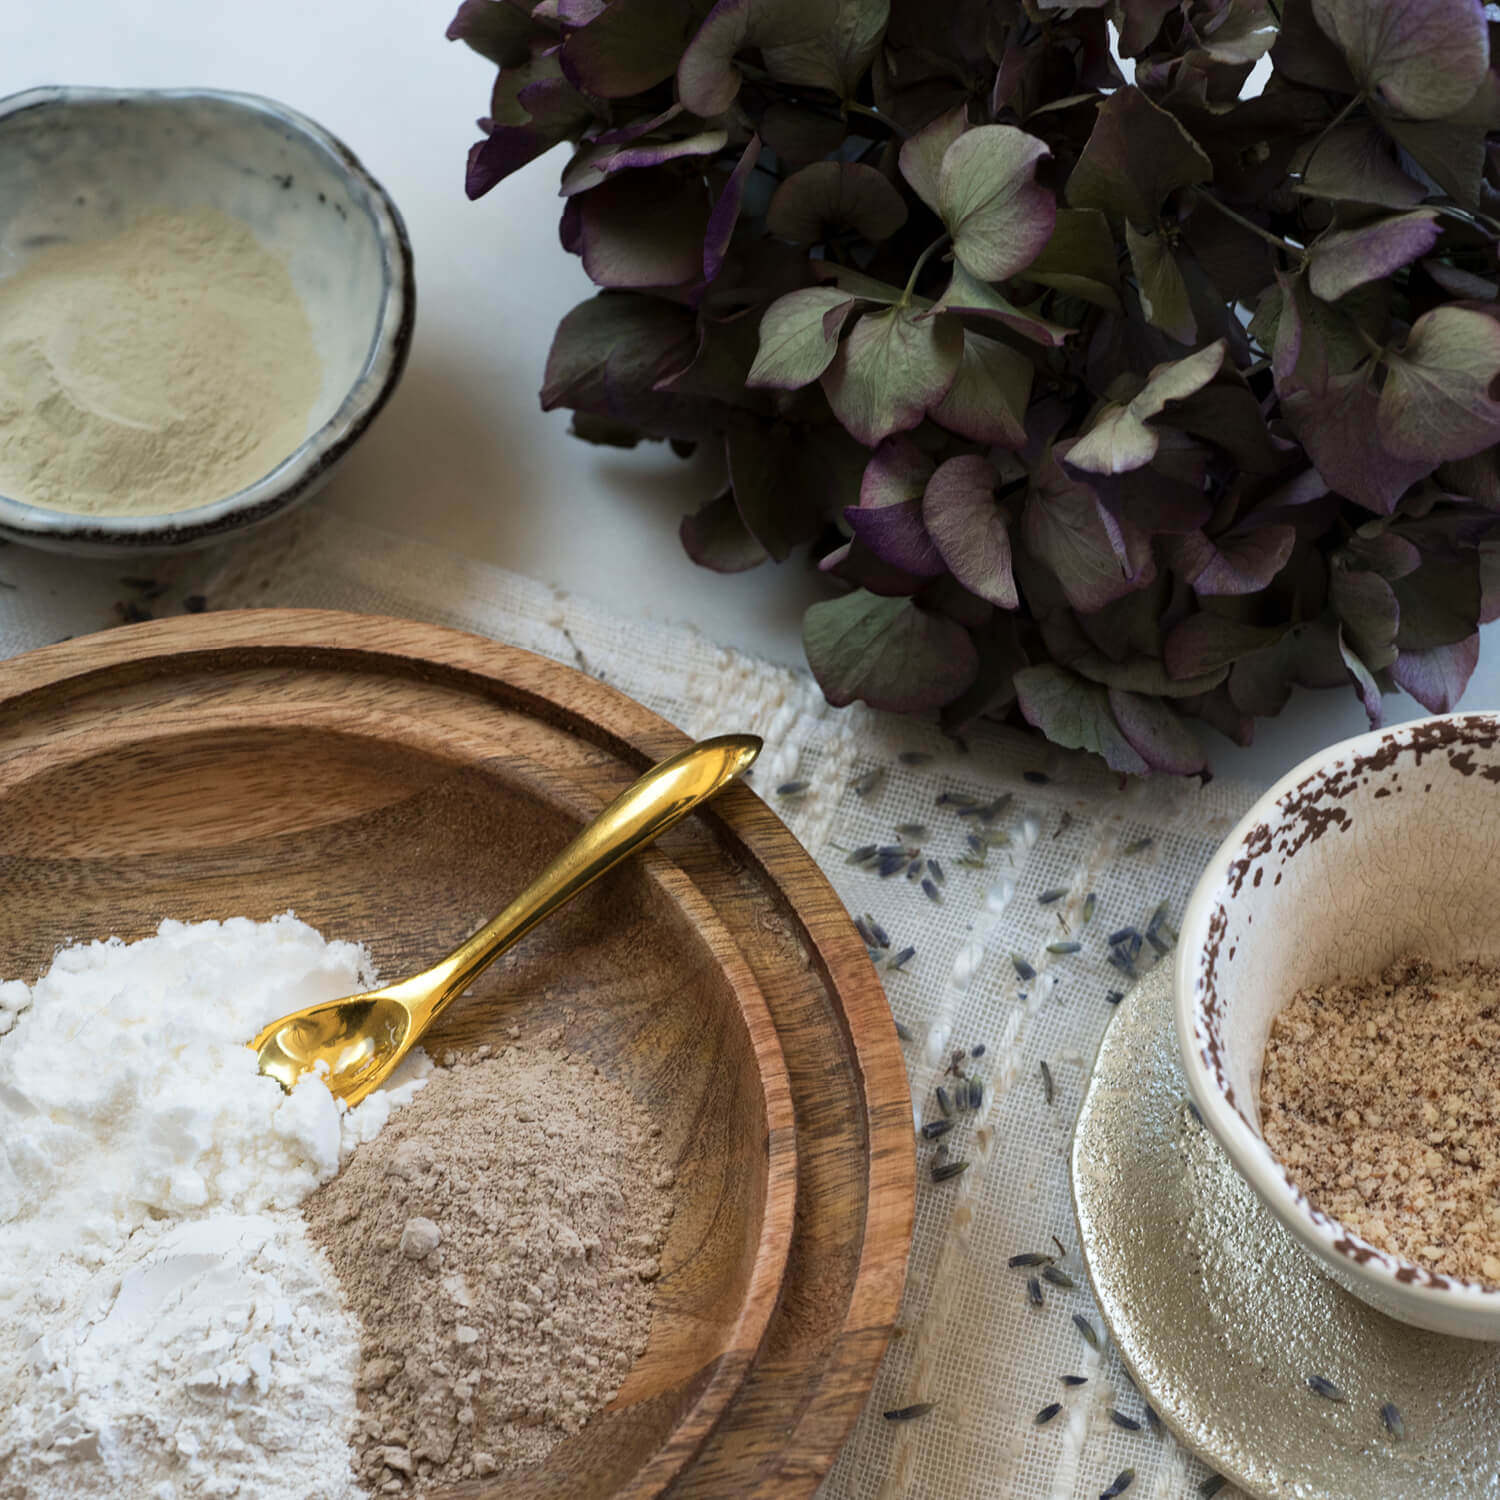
78, 164
1380, 846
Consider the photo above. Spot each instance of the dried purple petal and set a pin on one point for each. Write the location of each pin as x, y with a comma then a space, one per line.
1048, 897
1121, 1482
1075, 1379
1024, 971
901, 959
1395, 1424
910, 1413
1321, 1385
930, 890
1121, 1420
863, 855
932, 1129
1047, 1413
792, 788
1034, 1292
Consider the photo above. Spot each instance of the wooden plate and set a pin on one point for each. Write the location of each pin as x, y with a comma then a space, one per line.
392, 782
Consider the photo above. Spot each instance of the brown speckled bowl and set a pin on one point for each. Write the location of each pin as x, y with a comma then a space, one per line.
1379, 846
78, 163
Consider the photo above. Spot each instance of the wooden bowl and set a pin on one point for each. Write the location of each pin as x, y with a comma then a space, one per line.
393, 783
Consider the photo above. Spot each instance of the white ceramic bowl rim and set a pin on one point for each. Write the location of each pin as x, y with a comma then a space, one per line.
377, 378
1252, 1157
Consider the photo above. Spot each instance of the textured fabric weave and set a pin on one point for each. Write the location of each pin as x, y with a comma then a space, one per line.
972, 1342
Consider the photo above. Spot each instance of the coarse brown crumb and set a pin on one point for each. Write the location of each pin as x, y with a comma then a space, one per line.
1382, 1097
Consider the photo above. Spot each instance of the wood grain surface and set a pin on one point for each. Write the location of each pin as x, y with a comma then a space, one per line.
394, 783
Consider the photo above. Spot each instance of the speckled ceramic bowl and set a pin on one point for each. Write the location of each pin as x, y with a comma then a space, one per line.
1379, 846
78, 163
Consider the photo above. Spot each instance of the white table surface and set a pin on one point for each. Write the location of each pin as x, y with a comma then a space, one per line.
463, 456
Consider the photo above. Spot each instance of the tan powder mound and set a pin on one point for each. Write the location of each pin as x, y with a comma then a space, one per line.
498, 1242
160, 367
1382, 1096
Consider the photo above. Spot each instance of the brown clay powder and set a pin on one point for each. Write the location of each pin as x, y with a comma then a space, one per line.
498, 1241
1382, 1096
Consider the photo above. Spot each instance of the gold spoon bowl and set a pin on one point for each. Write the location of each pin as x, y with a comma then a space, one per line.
356, 1042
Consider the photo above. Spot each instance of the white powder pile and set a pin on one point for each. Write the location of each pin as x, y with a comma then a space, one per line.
157, 368
167, 1329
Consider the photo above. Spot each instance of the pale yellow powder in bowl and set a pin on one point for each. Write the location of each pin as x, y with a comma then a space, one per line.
162, 367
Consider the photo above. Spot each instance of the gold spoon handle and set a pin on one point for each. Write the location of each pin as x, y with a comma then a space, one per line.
665, 795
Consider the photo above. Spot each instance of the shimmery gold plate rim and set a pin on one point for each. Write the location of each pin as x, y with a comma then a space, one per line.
1219, 1316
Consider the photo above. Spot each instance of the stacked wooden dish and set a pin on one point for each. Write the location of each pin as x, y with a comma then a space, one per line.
393, 783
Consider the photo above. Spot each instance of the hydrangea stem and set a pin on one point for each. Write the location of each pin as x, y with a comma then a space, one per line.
916, 270
1295, 251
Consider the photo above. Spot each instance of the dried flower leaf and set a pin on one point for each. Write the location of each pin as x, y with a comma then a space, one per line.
893, 366
799, 336
1065, 525
969, 530
888, 652
1074, 712
1355, 164
836, 59
1423, 58
494, 29
1337, 263
630, 46
707, 78
714, 536
970, 297
823, 200
1137, 155
644, 229
1079, 259
1119, 438
986, 401
1437, 677
988, 196
1438, 401
726, 210
922, 154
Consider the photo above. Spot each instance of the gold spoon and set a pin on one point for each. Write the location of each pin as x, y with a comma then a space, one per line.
361, 1038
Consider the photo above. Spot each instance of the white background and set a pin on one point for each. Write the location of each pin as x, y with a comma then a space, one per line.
463, 456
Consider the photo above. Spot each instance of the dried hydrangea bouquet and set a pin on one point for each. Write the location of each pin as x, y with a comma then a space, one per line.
1103, 402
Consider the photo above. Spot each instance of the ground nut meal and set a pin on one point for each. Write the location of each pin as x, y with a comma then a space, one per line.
1382, 1097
